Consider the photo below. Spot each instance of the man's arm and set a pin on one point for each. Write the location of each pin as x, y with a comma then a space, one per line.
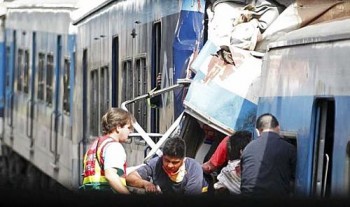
115, 181
134, 179
218, 158
114, 161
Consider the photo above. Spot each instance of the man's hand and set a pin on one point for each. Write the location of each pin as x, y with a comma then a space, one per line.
151, 188
159, 80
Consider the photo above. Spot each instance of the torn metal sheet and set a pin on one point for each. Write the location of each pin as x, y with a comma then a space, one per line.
224, 96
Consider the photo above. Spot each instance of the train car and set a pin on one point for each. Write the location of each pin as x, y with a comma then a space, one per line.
60, 78
304, 83
121, 48
37, 141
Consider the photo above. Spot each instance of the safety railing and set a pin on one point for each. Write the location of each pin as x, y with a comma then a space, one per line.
147, 136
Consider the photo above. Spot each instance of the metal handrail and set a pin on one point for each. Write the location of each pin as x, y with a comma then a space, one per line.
146, 136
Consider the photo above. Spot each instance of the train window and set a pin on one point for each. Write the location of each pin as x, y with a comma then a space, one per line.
66, 86
140, 88
94, 118
127, 81
49, 79
26, 72
41, 73
19, 69
104, 89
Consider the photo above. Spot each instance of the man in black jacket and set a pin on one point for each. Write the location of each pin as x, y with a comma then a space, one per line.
268, 162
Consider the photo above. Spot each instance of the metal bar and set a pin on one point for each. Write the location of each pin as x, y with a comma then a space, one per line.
137, 127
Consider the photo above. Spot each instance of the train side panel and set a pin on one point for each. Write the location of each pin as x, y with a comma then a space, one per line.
38, 121
132, 43
304, 83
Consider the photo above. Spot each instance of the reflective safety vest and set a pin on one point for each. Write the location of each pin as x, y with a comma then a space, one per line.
94, 174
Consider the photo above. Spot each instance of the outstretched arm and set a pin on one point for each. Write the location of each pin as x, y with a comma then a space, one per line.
135, 180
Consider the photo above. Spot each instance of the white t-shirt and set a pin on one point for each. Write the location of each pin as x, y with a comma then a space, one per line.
114, 156
229, 178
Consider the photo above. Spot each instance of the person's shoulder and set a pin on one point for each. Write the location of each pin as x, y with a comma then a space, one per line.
253, 143
114, 145
192, 162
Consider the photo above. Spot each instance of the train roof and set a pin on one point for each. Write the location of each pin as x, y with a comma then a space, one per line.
34, 4
101, 6
2, 9
90, 9
322, 32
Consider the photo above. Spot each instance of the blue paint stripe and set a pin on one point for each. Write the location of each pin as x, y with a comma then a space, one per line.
187, 38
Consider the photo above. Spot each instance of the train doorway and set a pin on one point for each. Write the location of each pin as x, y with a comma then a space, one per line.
31, 101
115, 68
323, 147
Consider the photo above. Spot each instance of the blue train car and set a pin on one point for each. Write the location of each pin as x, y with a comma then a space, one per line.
304, 82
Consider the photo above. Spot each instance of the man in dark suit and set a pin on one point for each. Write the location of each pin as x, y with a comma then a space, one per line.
268, 162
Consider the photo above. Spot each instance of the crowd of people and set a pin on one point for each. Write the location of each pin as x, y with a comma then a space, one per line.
240, 165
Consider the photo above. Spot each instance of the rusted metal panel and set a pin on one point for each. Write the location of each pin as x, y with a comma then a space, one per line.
313, 12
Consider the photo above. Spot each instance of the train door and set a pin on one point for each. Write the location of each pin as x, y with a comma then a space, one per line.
31, 101
56, 114
22, 85
10, 73
156, 69
85, 139
84, 104
323, 147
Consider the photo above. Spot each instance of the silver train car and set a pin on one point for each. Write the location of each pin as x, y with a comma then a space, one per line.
121, 47
37, 144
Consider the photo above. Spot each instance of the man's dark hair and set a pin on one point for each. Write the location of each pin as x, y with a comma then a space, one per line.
174, 147
266, 121
237, 142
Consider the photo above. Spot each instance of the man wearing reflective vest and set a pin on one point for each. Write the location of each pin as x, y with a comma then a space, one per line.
105, 160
